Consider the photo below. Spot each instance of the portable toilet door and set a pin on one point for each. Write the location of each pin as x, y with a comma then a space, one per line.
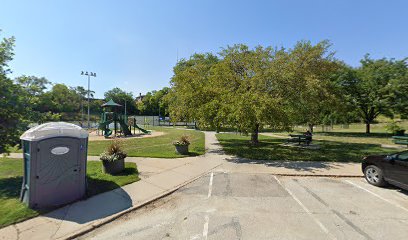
58, 168
57, 164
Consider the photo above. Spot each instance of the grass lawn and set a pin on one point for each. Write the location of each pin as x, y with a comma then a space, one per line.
269, 149
352, 133
12, 210
348, 137
160, 147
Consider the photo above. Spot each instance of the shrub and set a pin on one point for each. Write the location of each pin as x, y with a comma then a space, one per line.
393, 127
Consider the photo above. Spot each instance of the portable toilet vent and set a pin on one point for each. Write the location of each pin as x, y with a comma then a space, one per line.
55, 157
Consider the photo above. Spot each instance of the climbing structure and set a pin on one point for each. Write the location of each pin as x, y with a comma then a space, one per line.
110, 115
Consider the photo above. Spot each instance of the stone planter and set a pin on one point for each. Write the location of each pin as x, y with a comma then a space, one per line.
182, 149
113, 167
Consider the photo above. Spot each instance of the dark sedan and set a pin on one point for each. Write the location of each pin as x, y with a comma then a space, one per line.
382, 169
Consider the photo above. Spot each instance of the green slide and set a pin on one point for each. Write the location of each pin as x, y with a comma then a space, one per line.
125, 128
104, 126
141, 129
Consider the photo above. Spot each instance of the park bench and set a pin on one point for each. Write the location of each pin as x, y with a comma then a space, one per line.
403, 140
300, 138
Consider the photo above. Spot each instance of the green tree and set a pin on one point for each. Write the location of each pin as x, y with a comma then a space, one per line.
60, 99
6, 53
398, 89
190, 92
310, 70
253, 88
33, 88
119, 96
12, 100
154, 103
375, 87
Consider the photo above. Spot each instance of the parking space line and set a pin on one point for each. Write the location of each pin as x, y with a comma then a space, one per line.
207, 218
320, 224
210, 185
205, 230
338, 214
375, 194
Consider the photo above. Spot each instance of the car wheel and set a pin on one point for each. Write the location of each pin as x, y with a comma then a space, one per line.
374, 176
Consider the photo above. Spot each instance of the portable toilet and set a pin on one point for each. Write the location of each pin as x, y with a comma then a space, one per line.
55, 157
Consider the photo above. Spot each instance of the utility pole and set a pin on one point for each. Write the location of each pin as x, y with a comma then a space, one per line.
90, 74
159, 113
82, 110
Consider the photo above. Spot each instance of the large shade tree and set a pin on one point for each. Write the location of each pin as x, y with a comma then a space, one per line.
13, 118
312, 92
191, 96
376, 87
34, 88
253, 88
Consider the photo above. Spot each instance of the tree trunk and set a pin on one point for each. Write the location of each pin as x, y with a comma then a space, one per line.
311, 127
367, 127
254, 135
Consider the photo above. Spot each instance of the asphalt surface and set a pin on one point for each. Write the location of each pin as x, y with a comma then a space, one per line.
224, 205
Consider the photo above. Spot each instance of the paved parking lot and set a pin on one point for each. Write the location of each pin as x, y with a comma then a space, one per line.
224, 205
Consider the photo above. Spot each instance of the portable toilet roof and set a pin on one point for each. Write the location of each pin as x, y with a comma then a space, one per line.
111, 103
54, 129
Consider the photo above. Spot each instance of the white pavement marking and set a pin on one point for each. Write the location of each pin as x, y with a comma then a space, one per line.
205, 230
207, 218
378, 196
210, 185
324, 229
197, 236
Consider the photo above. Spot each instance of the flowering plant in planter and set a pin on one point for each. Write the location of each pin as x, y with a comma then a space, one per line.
113, 159
182, 145
183, 141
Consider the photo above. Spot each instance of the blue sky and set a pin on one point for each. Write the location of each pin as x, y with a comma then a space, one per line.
134, 44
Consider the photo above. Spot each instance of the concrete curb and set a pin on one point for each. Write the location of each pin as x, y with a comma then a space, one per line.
109, 219
317, 175
304, 175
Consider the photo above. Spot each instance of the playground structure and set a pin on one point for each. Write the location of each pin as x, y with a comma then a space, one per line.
133, 123
120, 121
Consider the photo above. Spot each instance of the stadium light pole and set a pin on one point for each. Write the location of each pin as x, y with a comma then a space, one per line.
90, 74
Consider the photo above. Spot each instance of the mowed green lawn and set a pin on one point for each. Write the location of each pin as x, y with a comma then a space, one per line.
160, 146
11, 170
337, 149
347, 137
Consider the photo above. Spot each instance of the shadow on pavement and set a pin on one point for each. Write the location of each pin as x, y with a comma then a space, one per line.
94, 208
306, 166
217, 149
89, 209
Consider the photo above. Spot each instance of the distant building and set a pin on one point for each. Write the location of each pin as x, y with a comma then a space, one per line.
140, 97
